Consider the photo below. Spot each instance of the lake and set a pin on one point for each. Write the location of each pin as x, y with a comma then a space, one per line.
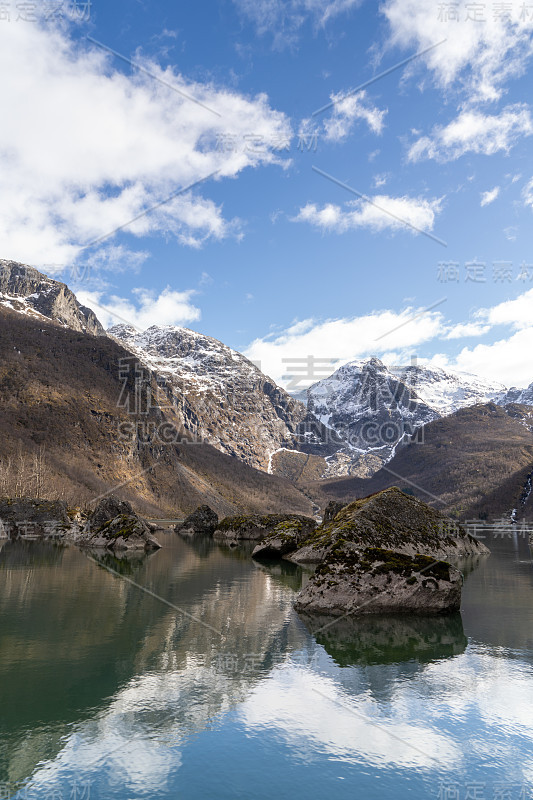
209, 685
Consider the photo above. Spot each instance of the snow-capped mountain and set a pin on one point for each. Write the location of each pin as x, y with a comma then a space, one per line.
373, 408
521, 396
447, 391
221, 396
29, 292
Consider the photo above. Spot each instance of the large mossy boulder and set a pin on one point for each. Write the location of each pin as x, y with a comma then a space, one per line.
256, 527
286, 537
28, 518
203, 521
394, 521
115, 526
375, 580
384, 553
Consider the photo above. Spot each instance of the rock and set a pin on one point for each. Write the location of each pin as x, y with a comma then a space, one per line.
375, 580
28, 518
256, 527
394, 521
115, 526
204, 520
30, 291
331, 510
286, 537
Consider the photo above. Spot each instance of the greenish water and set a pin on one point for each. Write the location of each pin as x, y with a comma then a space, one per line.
107, 692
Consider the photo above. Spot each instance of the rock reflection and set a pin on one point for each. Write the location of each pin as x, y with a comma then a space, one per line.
388, 639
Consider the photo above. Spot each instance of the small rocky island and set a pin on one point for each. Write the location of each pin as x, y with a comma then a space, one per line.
382, 553
113, 525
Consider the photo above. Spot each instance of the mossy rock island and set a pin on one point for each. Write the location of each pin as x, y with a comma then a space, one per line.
394, 521
374, 581
256, 527
202, 521
384, 553
115, 526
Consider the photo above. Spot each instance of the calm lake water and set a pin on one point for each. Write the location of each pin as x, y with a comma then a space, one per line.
107, 692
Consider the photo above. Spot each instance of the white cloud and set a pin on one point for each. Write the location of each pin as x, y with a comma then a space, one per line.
393, 337
284, 18
489, 196
476, 58
170, 307
86, 148
475, 132
343, 340
346, 111
501, 361
517, 313
383, 213
527, 194
464, 329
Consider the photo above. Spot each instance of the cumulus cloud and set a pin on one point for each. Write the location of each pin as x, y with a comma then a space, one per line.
474, 57
109, 147
346, 111
341, 340
146, 308
474, 132
382, 213
517, 313
394, 336
489, 196
502, 360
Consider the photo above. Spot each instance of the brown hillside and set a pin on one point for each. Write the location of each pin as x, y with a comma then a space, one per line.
472, 463
59, 431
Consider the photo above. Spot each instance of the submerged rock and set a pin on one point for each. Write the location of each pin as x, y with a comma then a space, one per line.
256, 527
115, 526
203, 520
376, 580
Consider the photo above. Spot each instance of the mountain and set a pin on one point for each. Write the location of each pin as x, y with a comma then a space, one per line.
373, 408
477, 462
221, 397
66, 431
29, 292
520, 396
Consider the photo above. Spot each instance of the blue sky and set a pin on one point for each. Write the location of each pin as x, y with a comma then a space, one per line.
265, 252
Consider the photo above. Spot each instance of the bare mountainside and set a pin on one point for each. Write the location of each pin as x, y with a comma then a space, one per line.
476, 462
65, 429
218, 395
222, 397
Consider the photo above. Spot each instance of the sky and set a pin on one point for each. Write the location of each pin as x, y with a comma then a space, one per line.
334, 179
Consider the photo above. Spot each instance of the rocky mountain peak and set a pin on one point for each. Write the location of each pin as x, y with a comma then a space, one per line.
28, 291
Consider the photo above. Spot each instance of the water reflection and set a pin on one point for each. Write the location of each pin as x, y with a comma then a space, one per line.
101, 681
377, 639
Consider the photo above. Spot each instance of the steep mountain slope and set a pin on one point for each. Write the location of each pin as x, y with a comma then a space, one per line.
475, 462
221, 397
29, 292
66, 431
